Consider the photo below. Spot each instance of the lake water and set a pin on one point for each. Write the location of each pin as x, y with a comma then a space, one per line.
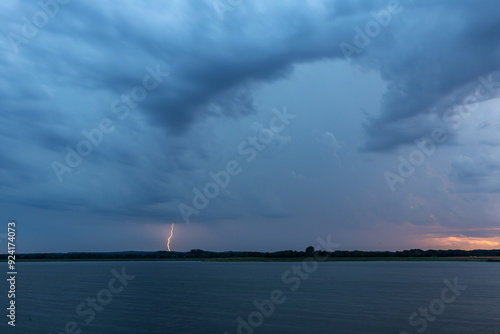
202, 297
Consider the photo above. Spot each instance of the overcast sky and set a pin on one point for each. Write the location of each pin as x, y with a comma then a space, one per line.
250, 124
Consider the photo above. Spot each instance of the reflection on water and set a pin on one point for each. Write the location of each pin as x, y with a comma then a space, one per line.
202, 297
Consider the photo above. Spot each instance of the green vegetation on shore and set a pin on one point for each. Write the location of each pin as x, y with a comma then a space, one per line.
264, 259
281, 256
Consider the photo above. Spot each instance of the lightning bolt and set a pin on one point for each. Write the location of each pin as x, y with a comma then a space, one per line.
170, 237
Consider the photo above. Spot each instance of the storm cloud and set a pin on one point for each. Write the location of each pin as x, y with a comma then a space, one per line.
179, 85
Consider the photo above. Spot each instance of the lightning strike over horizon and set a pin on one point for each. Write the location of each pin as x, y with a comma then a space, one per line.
170, 237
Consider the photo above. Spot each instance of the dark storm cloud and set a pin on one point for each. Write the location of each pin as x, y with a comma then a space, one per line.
98, 46
213, 63
434, 49
425, 53
65, 78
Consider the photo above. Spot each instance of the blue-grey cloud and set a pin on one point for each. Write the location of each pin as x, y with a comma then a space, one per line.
90, 54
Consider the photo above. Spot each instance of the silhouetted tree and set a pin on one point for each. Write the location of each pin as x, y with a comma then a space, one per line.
310, 251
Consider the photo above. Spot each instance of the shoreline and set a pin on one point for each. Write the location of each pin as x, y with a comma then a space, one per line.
263, 259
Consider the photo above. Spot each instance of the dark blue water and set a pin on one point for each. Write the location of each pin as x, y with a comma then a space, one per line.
201, 297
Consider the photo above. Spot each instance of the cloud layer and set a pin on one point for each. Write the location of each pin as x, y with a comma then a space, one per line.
178, 80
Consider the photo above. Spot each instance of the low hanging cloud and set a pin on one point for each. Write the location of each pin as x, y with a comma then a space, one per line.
432, 52
424, 50
64, 78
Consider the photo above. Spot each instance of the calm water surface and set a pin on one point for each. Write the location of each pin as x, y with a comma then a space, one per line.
201, 297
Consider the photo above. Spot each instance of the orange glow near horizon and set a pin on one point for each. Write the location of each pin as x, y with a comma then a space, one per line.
436, 236
460, 242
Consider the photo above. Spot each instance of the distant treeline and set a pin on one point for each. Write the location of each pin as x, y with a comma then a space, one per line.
201, 254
